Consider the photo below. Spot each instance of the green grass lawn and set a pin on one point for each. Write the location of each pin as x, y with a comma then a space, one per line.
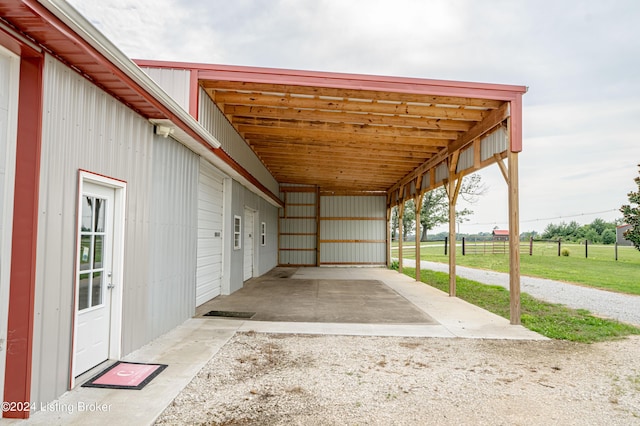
552, 320
599, 270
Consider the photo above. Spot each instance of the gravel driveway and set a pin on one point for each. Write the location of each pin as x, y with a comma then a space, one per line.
274, 379
622, 307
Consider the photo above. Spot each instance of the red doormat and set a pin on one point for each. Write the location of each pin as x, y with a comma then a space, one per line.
126, 375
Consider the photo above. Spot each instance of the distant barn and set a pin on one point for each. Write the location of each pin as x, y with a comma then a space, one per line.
620, 239
500, 235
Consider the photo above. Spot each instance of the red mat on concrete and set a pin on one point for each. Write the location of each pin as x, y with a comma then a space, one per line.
126, 375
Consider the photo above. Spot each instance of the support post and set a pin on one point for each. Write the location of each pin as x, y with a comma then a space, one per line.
453, 189
400, 233
418, 207
389, 241
318, 226
514, 239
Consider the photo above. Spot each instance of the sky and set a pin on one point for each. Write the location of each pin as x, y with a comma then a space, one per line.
579, 59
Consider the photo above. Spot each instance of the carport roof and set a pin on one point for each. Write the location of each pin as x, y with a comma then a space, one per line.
349, 132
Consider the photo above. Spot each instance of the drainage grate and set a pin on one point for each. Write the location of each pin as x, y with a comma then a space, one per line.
229, 314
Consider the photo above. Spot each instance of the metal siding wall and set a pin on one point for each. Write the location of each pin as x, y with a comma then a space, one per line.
299, 219
442, 172
232, 143
84, 128
174, 81
494, 143
465, 161
173, 236
365, 234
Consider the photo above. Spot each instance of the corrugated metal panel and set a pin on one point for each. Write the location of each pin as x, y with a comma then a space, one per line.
232, 143
173, 236
356, 253
298, 227
353, 206
442, 172
297, 257
426, 180
353, 229
210, 230
174, 81
495, 143
465, 160
84, 128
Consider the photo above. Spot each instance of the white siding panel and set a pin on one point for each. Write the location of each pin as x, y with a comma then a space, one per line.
353, 229
495, 143
232, 143
84, 128
465, 160
442, 172
174, 81
210, 217
173, 233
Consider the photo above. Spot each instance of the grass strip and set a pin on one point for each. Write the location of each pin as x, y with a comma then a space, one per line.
549, 319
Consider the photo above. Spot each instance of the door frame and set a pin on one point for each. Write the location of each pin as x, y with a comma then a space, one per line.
120, 196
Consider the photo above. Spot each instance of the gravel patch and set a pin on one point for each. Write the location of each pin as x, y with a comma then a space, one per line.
621, 307
277, 379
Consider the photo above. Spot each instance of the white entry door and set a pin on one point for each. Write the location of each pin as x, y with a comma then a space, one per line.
93, 287
248, 243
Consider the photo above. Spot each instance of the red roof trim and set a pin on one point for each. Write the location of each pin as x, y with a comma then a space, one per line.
346, 81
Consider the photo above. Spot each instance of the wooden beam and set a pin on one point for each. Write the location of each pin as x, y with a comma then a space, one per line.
418, 206
318, 226
315, 91
326, 129
494, 118
239, 112
259, 99
400, 233
503, 168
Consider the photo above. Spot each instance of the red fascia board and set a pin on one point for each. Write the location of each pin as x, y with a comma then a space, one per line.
17, 385
346, 81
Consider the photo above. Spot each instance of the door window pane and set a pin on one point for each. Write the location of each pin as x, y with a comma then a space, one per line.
97, 251
96, 289
83, 294
85, 252
101, 206
87, 210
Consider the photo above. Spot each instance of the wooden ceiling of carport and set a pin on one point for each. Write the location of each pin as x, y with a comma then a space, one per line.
345, 140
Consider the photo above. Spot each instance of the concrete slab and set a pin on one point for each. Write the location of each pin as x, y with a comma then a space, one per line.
187, 348
335, 300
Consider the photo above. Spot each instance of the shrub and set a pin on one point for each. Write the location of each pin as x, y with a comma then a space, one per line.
565, 252
395, 265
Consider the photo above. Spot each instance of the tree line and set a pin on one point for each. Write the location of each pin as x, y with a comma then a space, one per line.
597, 232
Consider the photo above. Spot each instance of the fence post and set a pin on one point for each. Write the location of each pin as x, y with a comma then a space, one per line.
463, 252
446, 240
530, 246
559, 239
586, 249
616, 249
